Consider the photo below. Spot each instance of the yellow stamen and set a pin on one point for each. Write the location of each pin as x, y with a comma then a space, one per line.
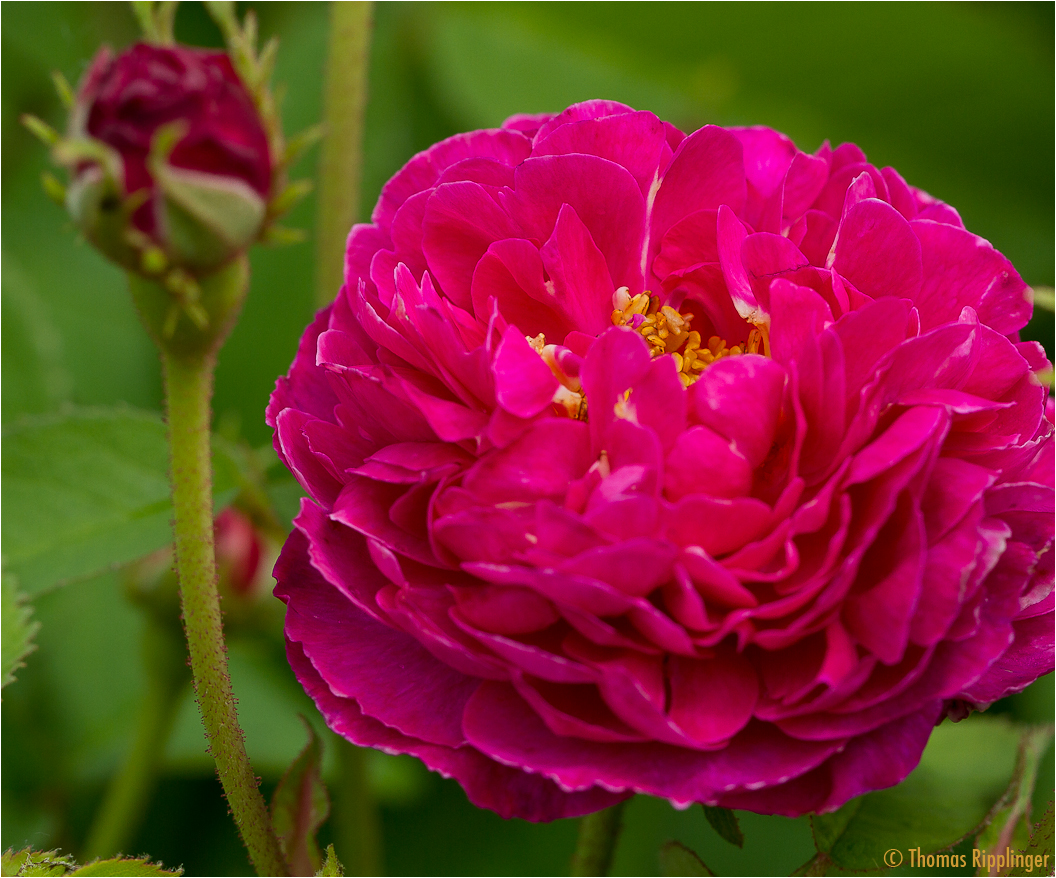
667, 332
759, 340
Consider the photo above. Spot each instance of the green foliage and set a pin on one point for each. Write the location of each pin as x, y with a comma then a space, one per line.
299, 806
35, 378
950, 796
29, 862
677, 859
819, 864
1040, 844
724, 822
88, 490
1010, 825
332, 867
18, 630
119, 867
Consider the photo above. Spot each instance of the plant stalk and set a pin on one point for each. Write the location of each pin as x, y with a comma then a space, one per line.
128, 794
188, 390
355, 826
354, 821
596, 844
341, 161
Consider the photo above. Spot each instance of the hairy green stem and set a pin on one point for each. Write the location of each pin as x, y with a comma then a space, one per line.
596, 844
188, 390
128, 794
354, 821
341, 162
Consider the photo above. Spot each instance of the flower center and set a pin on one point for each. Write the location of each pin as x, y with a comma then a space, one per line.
667, 332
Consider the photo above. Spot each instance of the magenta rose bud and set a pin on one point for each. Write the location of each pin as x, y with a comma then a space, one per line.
644, 462
169, 154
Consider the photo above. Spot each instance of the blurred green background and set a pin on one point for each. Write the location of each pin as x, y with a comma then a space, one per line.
958, 97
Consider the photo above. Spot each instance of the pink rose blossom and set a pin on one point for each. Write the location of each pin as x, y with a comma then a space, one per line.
695, 466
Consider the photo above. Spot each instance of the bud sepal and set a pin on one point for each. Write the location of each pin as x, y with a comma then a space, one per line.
189, 316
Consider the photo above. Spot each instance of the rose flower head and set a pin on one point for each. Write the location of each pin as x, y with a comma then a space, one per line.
176, 158
688, 465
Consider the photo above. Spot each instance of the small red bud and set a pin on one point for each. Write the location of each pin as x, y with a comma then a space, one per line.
239, 551
195, 171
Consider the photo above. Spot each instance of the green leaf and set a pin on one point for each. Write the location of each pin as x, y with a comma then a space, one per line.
18, 630
828, 828
816, 865
35, 376
122, 866
269, 702
31, 862
1010, 826
88, 490
724, 822
677, 859
965, 769
332, 867
299, 806
1040, 847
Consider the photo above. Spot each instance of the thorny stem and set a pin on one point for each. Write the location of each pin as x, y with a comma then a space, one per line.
188, 390
596, 844
128, 794
341, 162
